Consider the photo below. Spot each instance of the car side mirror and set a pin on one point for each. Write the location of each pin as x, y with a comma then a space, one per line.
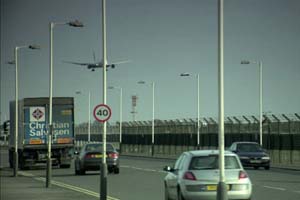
168, 169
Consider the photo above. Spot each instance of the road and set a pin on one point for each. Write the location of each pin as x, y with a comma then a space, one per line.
142, 178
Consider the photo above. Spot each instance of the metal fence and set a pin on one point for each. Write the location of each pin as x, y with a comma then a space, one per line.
280, 132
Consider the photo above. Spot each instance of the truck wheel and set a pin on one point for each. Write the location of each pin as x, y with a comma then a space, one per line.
21, 162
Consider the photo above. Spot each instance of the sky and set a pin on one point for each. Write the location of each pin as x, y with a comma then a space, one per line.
162, 39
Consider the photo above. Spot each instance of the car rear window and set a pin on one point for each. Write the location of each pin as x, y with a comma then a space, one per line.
98, 147
249, 148
212, 162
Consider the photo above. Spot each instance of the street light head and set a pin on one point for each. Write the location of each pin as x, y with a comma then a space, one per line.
34, 47
11, 62
141, 82
245, 62
75, 23
185, 74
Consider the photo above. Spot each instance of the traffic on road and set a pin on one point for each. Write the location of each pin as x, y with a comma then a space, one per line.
143, 178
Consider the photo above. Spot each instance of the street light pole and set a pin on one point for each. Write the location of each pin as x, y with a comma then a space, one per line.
16, 156
51, 26
198, 112
121, 115
153, 92
153, 116
103, 171
222, 188
246, 62
260, 102
198, 107
89, 114
89, 118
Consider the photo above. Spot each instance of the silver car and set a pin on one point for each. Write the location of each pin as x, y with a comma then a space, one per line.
195, 175
90, 158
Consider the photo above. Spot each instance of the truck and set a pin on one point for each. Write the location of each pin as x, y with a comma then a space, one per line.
33, 129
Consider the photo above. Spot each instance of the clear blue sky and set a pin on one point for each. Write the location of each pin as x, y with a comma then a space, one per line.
162, 38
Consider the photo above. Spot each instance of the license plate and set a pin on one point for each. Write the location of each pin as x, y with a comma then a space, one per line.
98, 156
211, 187
214, 187
255, 161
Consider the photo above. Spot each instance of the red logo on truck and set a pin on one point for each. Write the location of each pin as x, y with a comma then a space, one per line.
37, 114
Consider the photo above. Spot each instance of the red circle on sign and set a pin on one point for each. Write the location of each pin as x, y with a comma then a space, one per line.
107, 108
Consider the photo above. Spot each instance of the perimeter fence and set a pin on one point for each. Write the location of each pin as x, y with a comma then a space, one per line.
280, 132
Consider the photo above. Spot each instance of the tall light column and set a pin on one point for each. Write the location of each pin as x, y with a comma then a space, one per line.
246, 62
153, 118
103, 171
222, 188
16, 156
51, 26
198, 107
121, 110
89, 114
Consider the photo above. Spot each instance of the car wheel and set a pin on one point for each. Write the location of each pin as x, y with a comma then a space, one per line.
78, 170
267, 167
110, 170
117, 170
166, 193
179, 195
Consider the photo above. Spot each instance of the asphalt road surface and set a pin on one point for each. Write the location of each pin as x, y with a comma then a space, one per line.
142, 178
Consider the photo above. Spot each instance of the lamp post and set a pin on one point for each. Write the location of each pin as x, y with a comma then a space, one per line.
222, 188
198, 106
246, 62
89, 114
16, 156
153, 92
120, 126
103, 171
75, 23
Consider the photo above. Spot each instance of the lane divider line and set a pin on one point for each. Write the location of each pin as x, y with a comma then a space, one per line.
275, 188
142, 169
63, 185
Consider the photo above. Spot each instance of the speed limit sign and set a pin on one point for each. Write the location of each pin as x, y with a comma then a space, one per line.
102, 112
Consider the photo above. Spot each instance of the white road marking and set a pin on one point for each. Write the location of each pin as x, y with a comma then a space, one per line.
142, 169
275, 188
71, 187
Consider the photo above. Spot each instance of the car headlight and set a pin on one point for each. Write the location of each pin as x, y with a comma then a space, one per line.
265, 158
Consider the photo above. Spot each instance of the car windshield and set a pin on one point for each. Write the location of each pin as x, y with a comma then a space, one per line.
212, 162
98, 147
248, 148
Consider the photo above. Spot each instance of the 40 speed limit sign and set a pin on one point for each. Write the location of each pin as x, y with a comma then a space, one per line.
102, 112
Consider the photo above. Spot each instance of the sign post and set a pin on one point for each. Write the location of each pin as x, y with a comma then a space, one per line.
102, 113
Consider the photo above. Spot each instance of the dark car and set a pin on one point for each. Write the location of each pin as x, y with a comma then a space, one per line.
90, 158
251, 154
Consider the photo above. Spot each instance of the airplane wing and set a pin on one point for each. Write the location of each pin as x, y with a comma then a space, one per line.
78, 63
119, 62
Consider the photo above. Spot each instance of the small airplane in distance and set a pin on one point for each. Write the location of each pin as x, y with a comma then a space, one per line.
93, 66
